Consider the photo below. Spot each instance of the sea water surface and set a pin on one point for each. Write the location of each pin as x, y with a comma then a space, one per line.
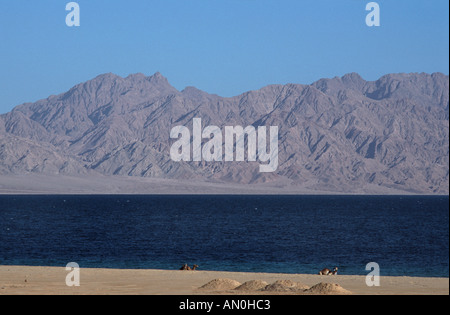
405, 235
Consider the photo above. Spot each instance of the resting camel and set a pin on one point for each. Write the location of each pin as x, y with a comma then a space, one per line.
328, 272
194, 267
334, 272
186, 267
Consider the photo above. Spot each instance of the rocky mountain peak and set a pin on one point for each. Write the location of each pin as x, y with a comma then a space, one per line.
342, 134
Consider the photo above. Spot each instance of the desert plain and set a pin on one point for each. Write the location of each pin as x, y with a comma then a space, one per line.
25, 280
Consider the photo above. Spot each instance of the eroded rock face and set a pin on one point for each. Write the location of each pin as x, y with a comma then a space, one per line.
338, 135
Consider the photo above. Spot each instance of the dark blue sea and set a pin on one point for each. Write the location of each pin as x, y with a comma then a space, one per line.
276, 234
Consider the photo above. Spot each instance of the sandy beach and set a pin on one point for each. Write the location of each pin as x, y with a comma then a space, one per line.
22, 280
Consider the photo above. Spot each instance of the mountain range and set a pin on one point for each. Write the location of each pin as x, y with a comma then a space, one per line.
337, 135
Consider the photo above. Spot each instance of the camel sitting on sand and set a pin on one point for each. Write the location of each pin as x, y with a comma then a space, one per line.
328, 272
194, 267
186, 267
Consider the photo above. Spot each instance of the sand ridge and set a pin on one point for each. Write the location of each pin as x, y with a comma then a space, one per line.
279, 286
327, 289
220, 285
252, 285
286, 286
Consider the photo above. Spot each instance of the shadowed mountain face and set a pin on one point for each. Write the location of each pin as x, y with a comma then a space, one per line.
334, 135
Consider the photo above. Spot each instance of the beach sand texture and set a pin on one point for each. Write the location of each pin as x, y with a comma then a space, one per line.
22, 280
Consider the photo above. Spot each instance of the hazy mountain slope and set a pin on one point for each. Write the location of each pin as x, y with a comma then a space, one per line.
336, 134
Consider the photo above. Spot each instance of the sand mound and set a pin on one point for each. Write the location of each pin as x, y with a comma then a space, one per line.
285, 286
328, 289
221, 285
253, 285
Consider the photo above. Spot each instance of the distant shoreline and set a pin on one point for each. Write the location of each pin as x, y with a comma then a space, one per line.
119, 185
210, 194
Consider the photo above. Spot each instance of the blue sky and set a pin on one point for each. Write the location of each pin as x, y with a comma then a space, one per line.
224, 47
